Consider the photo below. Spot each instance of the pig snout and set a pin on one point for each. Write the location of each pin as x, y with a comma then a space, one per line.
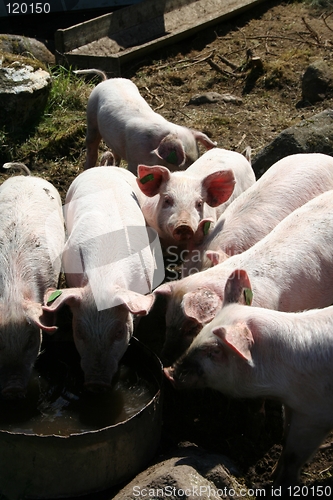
182, 231
184, 374
14, 390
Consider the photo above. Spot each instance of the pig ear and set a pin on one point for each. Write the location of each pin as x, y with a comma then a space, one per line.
216, 256
171, 150
202, 231
201, 305
35, 314
218, 187
150, 178
136, 303
203, 139
56, 299
238, 288
166, 289
238, 339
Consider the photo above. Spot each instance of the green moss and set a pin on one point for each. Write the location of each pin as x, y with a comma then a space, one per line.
8, 60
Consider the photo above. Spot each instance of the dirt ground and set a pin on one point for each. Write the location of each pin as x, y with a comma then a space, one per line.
258, 58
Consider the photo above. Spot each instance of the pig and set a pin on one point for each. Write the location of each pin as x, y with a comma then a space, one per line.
109, 266
285, 186
118, 113
291, 269
32, 236
252, 352
177, 202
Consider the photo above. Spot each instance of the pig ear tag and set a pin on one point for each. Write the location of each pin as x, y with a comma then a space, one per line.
172, 158
206, 227
147, 178
54, 295
248, 296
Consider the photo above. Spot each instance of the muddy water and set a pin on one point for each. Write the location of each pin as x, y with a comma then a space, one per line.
56, 402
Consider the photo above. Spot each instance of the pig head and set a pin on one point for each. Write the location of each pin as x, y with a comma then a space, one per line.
21, 325
177, 203
101, 336
187, 311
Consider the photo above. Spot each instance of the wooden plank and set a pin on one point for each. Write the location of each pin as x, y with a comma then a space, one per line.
138, 30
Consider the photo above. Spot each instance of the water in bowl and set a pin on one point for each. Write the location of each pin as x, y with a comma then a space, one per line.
56, 402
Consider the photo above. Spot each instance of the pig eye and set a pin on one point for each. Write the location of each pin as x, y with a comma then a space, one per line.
167, 201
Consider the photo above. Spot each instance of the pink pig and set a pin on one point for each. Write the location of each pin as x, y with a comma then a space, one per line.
291, 269
118, 113
178, 202
252, 352
32, 238
109, 267
285, 186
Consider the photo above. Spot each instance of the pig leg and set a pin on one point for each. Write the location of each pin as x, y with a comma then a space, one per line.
93, 139
303, 437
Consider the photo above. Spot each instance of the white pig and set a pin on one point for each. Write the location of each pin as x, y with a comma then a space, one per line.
118, 113
285, 186
109, 267
32, 237
291, 269
178, 202
251, 352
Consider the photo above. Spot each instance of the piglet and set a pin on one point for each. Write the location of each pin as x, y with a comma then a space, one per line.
110, 263
251, 352
118, 113
291, 269
32, 238
178, 202
285, 186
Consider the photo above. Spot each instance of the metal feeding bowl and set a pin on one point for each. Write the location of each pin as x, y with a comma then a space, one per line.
61, 441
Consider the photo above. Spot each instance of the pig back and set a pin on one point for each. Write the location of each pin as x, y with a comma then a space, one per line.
105, 222
32, 227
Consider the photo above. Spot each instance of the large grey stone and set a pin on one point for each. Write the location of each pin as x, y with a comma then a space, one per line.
190, 474
23, 95
317, 82
314, 135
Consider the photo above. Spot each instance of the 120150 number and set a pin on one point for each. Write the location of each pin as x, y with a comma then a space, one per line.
28, 8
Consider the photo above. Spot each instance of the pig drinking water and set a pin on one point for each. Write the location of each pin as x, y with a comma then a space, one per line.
251, 352
109, 266
178, 202
118, 113
291, 269
32, 238
285, 186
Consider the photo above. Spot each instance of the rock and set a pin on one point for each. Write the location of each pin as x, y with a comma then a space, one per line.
214, 97
314, 135
317, 82
23, 95
191, 473
25, 46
